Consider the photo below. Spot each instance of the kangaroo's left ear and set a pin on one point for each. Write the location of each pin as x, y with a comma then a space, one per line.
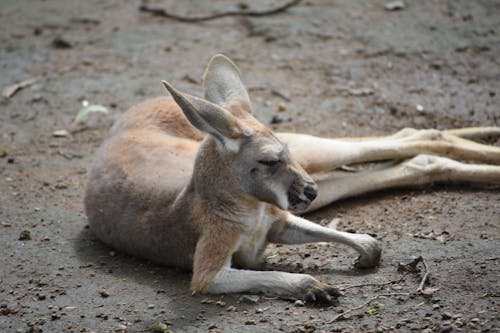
223, 86
210, 118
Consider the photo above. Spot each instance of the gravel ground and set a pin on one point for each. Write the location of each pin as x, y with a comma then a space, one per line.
340, 68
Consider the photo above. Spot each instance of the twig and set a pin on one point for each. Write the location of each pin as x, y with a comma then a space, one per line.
280, 95
408, 268
10, 91
345, 287
160, 12
362, 305
425, 277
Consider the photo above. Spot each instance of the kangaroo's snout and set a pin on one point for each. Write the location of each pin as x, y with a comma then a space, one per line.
311, 191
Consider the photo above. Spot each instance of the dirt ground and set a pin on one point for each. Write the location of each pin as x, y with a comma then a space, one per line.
342, 68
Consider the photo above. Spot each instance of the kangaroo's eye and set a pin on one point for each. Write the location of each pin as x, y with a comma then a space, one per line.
269, 163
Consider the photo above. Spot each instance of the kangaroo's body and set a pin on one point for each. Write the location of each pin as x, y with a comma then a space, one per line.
162, 189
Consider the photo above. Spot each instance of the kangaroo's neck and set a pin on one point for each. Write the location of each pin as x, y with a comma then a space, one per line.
217, 186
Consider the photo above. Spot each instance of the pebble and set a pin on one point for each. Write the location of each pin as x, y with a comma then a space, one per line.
277, 119
394, 5
446, 328
282, 107
104, 293
299, 303
206, 301
120, 328
446, 315
249, 298
25, 235
60, 133
220, 303
158, 328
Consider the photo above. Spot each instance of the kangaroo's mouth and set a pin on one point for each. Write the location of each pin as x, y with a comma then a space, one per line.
297, 202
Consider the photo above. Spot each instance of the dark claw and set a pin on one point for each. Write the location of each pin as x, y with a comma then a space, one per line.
327, 296
332, 291
310, 297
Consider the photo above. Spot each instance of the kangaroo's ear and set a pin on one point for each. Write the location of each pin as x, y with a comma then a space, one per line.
223, 86
210, 118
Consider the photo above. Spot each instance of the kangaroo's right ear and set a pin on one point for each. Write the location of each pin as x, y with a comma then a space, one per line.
210, 118
223, 86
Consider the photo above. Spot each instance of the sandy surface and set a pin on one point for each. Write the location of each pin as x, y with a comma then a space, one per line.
343, 68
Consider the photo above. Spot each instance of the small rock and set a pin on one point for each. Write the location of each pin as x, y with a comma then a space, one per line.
60, 43
277, 119
259, 310
120, 328
282, 107
394, 5
60, 133
25, 235
446, 315
250, 322
158, 328
211, 327
231, 308
151, 306
249, 299
243, 5
361, 91
104, 293
220, 303
299, 303
207, 301
446, 328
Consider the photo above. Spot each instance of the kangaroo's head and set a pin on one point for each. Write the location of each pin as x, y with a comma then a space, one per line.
250, 158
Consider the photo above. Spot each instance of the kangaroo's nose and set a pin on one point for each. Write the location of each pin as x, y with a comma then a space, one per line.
311, 192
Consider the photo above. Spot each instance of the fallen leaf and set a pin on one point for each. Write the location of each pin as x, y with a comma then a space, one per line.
88, 109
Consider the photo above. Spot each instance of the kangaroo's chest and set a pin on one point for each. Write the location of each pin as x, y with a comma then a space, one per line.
253, 240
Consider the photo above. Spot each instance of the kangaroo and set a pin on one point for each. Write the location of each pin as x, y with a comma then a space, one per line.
200, 184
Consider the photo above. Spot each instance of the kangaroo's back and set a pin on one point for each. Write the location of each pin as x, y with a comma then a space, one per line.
139, 173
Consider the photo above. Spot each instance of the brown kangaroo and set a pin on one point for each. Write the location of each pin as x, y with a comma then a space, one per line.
200, 184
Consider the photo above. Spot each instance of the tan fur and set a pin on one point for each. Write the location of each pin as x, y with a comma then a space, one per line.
162, 189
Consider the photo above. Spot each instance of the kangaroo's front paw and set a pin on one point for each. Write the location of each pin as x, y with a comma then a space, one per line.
321, 293
370, 251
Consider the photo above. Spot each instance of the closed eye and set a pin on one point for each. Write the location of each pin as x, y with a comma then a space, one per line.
269, 163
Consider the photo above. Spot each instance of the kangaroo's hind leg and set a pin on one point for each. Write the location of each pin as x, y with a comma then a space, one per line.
420, 170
